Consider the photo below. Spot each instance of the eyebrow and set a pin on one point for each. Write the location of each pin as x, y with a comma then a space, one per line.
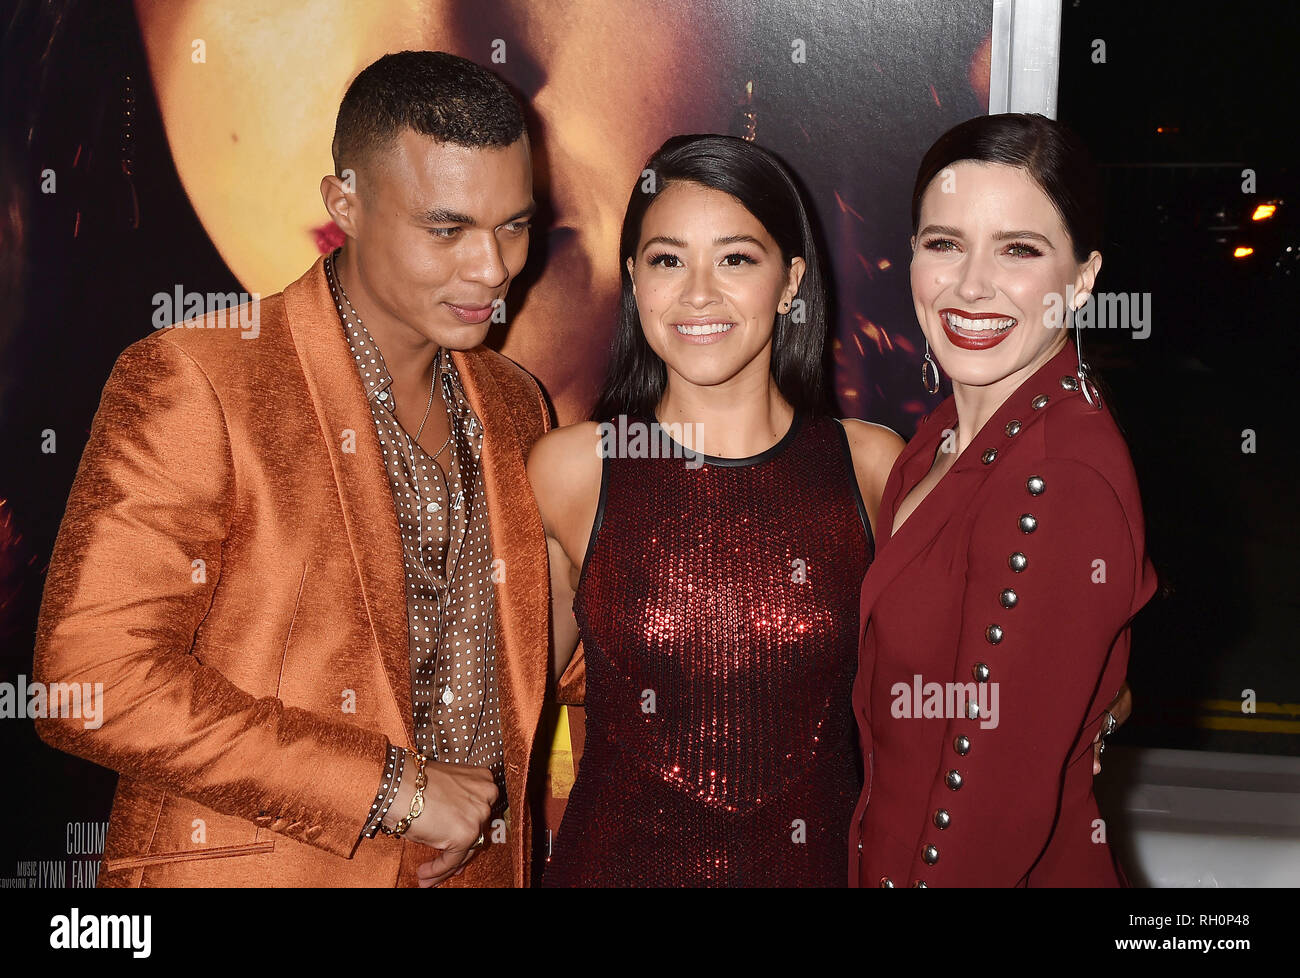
718, 242
442, 215
999, 236
740, 239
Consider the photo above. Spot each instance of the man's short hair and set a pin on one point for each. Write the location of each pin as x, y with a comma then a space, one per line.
434, 93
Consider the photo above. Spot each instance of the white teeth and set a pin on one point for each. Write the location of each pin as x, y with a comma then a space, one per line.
704, 329
977, 325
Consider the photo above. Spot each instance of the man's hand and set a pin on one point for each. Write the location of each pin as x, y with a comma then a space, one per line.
1120, 709
457, 805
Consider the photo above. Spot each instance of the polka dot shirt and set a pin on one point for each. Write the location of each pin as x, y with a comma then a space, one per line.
450, 597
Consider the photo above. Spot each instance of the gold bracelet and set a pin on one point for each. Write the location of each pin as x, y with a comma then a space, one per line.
417, 803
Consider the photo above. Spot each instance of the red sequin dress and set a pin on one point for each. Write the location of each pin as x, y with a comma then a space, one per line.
718, 613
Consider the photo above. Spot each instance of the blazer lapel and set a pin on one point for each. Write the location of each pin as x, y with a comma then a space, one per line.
1014, 420
364, 493
515, 528
925, 522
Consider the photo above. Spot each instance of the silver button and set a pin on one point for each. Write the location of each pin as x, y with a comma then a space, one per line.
886, 883
382, 395
953, 779
920, 885
994, 634
1039, 402
1018, 561
1013, 428
1035, 485
989, 455
981, 672
1008, 598
432, 508
961, 745
942, 819
1028, 524
972, 710
447, 695
1070, 383
930, 854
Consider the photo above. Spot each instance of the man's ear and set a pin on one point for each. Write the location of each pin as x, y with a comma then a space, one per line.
340, 200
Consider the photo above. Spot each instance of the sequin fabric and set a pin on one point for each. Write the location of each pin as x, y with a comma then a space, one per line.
718, 611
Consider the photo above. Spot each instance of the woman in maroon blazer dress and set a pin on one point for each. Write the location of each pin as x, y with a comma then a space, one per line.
1011, 554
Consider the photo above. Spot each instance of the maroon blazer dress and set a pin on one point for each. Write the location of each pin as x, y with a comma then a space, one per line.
995, 634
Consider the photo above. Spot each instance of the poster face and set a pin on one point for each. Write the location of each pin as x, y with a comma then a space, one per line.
848, 93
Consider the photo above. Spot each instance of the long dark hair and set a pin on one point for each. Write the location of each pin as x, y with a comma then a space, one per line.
636, 377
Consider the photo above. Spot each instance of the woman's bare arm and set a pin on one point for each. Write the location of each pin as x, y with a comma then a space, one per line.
874, 449
564, 468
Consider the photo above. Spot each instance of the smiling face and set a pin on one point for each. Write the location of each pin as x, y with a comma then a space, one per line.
436, 232
986, 263
708, 280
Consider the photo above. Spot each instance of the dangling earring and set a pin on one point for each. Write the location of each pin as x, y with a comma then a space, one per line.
1090, 392
928, 367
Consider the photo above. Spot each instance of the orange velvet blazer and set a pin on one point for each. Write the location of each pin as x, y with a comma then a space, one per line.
230, 568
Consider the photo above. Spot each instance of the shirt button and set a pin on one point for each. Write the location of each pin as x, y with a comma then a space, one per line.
382, 395
432, 508
447, 696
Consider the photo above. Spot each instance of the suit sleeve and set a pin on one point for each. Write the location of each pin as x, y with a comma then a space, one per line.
125, 596
1039, 640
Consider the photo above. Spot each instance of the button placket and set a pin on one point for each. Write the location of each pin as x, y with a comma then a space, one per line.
450, 615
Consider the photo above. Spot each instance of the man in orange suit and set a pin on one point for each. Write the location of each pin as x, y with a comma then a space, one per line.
304, 560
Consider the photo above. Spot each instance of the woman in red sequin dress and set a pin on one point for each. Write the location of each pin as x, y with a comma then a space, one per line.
708, 531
